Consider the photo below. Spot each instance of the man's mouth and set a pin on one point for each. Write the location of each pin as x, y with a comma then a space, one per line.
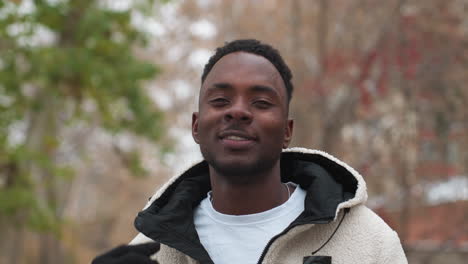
236, 139
235, 135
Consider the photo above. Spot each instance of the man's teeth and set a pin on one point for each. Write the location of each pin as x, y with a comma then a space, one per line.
236, 138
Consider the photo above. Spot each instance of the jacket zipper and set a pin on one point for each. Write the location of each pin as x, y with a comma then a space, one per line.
265, 249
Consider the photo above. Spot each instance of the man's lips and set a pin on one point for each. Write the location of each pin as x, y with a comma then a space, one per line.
236, 135
236, 139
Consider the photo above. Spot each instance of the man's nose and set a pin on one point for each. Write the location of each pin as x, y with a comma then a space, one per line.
238, 112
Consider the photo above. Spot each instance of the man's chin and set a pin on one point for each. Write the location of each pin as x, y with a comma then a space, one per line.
234, 168
241, 171
237, 174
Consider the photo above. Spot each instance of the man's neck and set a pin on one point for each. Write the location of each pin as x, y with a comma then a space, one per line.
262, 194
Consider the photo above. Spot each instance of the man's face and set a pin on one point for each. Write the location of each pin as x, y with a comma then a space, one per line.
242, 124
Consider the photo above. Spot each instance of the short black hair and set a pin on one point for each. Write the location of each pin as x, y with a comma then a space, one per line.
258, 48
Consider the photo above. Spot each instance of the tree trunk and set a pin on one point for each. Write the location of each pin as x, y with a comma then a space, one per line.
42, 138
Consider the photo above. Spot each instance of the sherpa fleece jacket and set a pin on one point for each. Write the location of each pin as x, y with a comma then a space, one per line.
335, 192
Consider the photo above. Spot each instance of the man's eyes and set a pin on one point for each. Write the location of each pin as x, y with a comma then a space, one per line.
262, 104
220, 101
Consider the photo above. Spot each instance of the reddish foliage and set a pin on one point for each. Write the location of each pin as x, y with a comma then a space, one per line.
407, 58
439, 230
436, 170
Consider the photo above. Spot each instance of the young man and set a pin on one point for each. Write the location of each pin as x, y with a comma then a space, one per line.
252, 200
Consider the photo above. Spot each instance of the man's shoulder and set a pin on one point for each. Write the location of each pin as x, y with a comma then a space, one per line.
365, 222
363, 215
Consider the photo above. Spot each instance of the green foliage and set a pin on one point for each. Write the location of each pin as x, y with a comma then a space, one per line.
135, 164
88, 58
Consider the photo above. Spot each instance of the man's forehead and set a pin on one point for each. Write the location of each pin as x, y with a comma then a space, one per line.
247, 65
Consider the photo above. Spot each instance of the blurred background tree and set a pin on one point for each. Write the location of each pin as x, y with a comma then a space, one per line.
64, 64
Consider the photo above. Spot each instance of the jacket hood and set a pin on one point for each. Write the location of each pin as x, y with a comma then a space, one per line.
331, 186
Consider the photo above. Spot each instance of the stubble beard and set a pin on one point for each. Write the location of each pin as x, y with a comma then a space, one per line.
241, 173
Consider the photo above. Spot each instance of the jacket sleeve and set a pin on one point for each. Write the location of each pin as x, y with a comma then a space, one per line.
392, 251
140, 239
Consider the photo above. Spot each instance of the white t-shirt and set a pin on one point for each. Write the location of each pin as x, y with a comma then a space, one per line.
242, 238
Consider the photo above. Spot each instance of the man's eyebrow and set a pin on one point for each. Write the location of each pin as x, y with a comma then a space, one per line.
220, 86
264, 89
254, 88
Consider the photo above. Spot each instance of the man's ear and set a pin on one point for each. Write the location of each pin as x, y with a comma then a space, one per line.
288, 133
195, 127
